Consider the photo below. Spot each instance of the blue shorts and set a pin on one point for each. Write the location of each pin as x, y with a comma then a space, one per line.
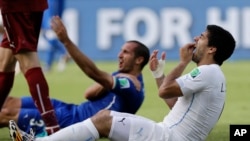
30, 117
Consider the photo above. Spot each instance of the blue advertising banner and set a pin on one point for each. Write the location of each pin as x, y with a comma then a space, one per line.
100, 27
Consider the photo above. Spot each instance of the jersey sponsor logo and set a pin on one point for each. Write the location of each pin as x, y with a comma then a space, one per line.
195, 72
124, 83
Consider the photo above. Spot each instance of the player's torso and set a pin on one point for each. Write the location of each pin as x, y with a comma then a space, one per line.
196, 114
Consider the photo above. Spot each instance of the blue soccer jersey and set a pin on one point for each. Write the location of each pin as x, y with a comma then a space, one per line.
124, 97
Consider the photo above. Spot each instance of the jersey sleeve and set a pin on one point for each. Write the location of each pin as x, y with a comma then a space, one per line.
195, 81
123, 86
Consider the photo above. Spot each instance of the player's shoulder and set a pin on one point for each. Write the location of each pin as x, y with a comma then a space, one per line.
205, 70
212, 71
209, 68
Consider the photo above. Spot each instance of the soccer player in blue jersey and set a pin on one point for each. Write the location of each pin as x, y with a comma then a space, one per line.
121, 91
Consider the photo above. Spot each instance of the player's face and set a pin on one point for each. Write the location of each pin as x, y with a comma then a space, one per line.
200, 47
126, 57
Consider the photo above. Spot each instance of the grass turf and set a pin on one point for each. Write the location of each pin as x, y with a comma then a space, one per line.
70, 85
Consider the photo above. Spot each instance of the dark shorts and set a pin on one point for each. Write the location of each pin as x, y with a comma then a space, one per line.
21, 31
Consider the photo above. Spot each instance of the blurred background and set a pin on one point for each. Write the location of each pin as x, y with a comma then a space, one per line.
100, 27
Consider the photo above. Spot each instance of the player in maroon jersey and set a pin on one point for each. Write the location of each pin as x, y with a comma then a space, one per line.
22, 22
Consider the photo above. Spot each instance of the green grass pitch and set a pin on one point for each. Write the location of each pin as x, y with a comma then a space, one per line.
70, 86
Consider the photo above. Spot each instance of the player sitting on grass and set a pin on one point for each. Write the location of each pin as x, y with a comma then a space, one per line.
122, 91
196, 99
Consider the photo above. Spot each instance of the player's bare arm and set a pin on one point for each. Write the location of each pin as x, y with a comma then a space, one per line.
153, 65
86, 65
170, 87
94, 91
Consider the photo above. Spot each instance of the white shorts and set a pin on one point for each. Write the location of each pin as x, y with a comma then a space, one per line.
143, 129
139, 129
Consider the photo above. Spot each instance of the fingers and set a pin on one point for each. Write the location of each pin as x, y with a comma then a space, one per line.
190, 45
55, 22
153, 62
59, 28
163, 55
154, 54
186, 52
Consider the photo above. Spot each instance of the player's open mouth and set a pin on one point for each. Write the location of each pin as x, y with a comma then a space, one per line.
194, 49
120, 63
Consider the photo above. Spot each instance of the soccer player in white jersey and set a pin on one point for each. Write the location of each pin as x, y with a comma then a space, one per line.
196, 99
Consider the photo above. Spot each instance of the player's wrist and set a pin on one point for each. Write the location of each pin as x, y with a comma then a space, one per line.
159, 72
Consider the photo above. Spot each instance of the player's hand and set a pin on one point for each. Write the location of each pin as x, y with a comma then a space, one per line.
157, 65
186, 52
59, 28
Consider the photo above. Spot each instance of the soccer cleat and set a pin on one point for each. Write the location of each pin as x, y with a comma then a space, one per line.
18, 135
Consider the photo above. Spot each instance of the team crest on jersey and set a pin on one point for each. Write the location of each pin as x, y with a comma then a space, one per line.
124, 82
195, 72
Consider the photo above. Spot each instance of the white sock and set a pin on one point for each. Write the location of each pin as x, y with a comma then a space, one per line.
77, 132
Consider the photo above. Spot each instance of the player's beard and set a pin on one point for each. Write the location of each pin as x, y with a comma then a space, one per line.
126, 68
195, 58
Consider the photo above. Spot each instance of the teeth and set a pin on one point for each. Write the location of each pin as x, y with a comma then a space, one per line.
194, 50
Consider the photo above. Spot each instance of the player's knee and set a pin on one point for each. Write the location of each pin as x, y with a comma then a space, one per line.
12, 102
102, 115
7, 62
5, 116
102, 121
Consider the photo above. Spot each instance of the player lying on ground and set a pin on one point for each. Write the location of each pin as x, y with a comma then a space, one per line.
196, 99
122, 91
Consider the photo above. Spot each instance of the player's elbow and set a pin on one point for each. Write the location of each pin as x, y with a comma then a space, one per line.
87, 96
164, 93
169, 92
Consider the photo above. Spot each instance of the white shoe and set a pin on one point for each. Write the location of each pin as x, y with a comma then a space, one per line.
18, 135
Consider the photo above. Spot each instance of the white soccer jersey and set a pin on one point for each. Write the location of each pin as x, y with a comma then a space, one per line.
198, 110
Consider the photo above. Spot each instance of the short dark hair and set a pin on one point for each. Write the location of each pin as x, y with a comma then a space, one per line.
141, 50
223, 41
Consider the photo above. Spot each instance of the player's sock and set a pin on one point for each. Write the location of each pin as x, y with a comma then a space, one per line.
49, 116
6, 83
40, 93
82, 131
